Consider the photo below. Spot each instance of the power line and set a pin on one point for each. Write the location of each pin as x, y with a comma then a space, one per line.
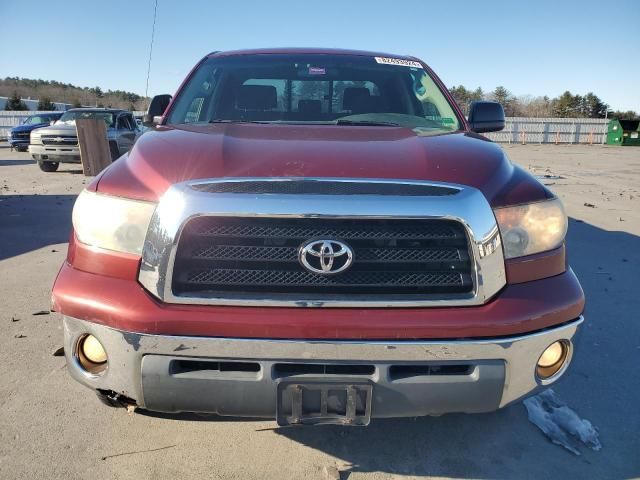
153, 31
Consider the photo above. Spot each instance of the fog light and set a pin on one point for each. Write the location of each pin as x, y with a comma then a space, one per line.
91, 354
552, 359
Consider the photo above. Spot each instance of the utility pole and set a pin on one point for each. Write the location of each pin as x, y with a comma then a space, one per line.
153, 31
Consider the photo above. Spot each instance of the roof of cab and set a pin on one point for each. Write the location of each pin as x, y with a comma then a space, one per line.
302, 51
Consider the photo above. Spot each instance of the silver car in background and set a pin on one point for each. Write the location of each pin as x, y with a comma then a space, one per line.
58, 143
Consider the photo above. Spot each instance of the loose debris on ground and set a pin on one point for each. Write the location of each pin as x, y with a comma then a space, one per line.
331, 473
138, 451
58, 352
562, 425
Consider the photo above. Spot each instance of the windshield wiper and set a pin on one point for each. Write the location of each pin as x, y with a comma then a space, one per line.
366, 123
226, 120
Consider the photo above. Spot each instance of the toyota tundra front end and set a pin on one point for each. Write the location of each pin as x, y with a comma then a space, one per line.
317, 236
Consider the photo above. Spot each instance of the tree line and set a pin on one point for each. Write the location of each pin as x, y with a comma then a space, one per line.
49, 91
566, 105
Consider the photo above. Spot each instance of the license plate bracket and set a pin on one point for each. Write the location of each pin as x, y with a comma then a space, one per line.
316, 403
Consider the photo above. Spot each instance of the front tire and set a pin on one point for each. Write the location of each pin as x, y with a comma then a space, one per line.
48, 166
21, 149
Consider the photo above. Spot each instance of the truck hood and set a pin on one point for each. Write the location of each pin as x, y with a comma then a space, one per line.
58, 129
170, 155
28, 128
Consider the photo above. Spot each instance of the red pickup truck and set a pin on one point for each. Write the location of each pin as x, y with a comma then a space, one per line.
317, 236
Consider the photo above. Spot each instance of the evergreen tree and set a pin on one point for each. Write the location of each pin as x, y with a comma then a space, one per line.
460, 95
507, 100
97, 91
464, 97
593, 107
567, 105
45, 103
628, 115
14, 103
477, 94
502, 95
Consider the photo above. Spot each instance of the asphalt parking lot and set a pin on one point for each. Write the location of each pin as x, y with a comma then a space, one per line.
51, 427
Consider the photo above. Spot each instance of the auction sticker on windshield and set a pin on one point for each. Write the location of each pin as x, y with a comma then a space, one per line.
398, 61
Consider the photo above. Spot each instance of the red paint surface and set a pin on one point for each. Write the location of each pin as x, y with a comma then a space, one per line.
169, 155
102, 262
125, 305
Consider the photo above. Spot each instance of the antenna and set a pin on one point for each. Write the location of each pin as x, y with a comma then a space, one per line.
153, 31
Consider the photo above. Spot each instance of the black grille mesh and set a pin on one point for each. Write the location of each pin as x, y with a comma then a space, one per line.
291, 278
233, 252
260, 255
317, 230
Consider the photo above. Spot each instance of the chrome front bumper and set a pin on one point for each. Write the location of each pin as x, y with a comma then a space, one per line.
69, 154
150, 369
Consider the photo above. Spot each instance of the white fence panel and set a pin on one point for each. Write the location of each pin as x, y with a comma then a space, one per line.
551, 130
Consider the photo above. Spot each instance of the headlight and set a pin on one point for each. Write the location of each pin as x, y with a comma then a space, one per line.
531, 228
113, 223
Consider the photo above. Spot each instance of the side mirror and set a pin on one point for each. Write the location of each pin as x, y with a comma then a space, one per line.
158, 105
52, 122
486, 117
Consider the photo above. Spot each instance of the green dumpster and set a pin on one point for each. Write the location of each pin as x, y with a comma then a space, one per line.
623, 132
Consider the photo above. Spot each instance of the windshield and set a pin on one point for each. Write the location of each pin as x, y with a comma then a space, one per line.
314, 89
38, 119
71, 116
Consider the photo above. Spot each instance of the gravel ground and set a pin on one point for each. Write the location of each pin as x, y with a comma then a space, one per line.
51, 427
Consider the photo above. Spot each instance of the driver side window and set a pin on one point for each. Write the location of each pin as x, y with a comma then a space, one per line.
124, 123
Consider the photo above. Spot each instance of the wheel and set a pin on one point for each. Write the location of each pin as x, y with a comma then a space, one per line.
48, 166
20, 148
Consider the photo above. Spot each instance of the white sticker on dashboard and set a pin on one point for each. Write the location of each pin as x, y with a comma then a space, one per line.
398, 61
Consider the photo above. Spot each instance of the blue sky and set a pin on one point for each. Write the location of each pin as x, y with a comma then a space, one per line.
537, 48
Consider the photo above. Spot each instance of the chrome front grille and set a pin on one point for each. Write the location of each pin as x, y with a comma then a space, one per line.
216, 244
217, 254
59, 140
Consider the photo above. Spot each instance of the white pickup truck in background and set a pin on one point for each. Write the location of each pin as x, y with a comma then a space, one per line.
58, 143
